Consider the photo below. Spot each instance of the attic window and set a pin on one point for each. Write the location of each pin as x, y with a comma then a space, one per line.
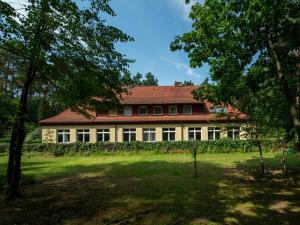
187, 109
143, 110
158, 110
127, 111
218, 109
172, 110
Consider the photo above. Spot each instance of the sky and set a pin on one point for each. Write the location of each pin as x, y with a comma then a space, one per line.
153, 24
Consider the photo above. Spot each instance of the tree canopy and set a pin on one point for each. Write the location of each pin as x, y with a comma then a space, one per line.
67, 48
137, 80
252, 47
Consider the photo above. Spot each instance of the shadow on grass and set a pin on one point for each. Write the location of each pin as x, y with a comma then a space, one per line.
157, 192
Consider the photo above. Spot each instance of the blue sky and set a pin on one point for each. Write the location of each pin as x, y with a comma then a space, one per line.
154, 24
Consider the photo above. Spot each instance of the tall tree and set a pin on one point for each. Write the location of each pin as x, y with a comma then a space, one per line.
67, 46
137, 79
188, 83
150, 80
247, 42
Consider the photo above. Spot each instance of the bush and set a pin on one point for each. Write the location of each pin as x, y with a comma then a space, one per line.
218, 146
34, 136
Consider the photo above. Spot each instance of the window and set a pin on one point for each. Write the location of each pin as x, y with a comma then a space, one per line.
127, 111
233, 133
187, 109
172, 110
112, 112
168, 134
214, 133
103, 135
63, 136
129, 134
194, 134
149, 134
217, 109
143, 110
83, 135
158, 110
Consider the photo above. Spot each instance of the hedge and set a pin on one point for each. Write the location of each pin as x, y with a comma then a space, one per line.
217, 146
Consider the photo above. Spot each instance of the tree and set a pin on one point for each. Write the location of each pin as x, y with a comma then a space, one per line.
137, 79
150, 80
265, 109
205, 82
247, 43
188, 83
68, 47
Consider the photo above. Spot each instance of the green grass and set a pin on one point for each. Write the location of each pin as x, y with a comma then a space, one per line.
154, 189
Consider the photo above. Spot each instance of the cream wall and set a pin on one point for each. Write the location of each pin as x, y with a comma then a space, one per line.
49, 133
73, 132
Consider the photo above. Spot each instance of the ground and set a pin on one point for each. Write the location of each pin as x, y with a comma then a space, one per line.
154, 189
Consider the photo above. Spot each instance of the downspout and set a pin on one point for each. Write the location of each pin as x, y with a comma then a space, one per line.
116, 133
181, 131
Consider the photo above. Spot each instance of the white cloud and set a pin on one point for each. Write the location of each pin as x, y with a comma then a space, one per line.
183, 67
184, 9
18, 5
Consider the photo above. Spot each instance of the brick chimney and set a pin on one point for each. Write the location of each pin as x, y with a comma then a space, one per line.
178, 84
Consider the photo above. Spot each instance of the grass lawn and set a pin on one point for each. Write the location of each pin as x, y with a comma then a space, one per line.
154, 189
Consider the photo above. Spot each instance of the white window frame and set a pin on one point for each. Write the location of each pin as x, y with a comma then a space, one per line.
129, 131
172, 106
169, 131
214, 130
194, 131
63, 132
103, 132
187, 113
125, 111
84, 133
148, 132
158, 107
143, 107
233, 130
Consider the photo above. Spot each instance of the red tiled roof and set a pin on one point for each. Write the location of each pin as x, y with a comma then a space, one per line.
68, 117
148, 95
159, 95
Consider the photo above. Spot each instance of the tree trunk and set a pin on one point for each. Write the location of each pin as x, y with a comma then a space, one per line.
17, 139
282, 158
262, 166
284, 83
195, 163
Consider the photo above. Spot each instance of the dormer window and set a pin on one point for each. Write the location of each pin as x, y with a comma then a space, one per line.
158, 110
112, 112
187, 110
218, 109
143, 110
127, 111
172, 110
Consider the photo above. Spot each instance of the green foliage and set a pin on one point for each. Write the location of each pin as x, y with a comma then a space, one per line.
34, 136
137, 80
218, 146
150, 80
188, 83
69, 50
251, 48
7, 106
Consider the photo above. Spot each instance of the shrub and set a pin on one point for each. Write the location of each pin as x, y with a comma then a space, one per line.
217, 146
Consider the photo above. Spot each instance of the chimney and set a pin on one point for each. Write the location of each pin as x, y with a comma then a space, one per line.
178, 84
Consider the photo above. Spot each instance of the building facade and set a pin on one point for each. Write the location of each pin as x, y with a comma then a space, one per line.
149, 114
